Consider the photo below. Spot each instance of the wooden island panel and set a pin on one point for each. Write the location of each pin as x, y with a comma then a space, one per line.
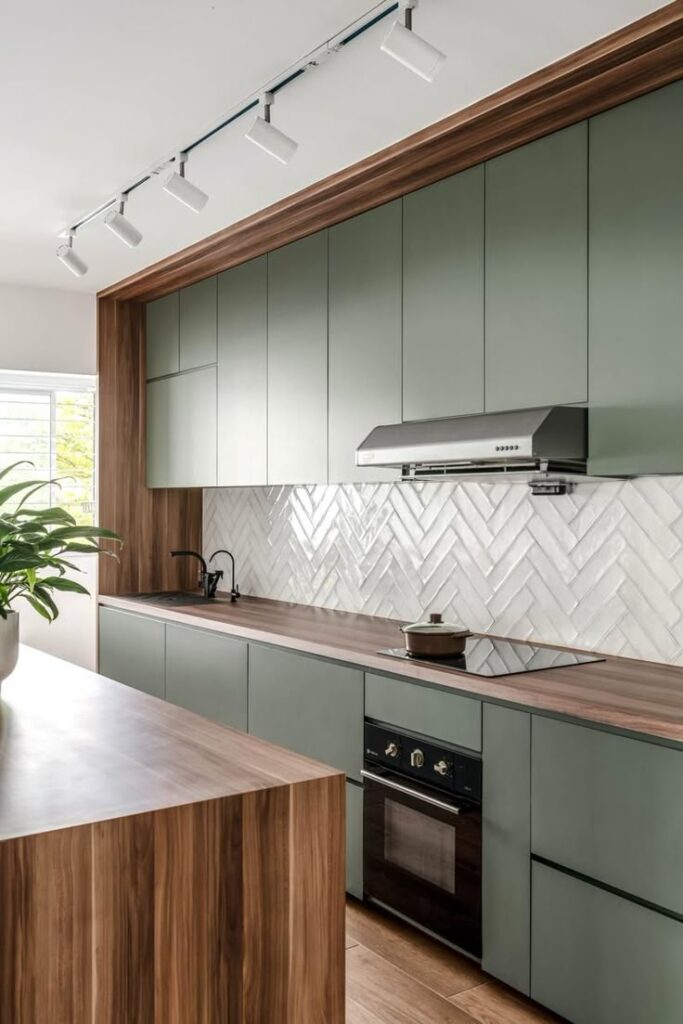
204, 886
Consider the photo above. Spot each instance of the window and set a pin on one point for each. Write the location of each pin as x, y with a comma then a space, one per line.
49, 420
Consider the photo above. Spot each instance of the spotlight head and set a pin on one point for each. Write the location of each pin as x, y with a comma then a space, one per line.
120, 226
177, 185
71, 260
412, 50
269, 138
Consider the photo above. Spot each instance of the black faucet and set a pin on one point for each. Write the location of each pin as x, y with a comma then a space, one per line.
234, 589
208, 581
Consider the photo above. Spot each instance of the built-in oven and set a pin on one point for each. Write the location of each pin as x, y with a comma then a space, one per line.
422, 833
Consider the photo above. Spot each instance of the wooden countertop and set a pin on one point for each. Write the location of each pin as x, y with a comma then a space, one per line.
76, 748
636, 696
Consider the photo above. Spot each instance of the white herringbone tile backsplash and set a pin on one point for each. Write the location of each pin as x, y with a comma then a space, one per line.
601, 568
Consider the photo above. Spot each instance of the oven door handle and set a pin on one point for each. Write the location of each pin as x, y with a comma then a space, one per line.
423, 797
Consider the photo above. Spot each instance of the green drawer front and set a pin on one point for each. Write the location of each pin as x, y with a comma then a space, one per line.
599, 959
354, 839
207, 673
440, 714
305, 704
609, 807
132, 650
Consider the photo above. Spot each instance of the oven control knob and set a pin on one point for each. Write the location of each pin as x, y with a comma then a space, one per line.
442, 767
417, 758
391, 750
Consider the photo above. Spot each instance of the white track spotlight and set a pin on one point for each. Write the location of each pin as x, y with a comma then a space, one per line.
412, 50
269, 138
177, 185
71, 260
120, 226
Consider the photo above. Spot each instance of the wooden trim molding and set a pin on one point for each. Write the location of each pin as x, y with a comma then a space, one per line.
630, 62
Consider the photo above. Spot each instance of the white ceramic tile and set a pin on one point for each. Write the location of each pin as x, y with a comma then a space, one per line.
601, 568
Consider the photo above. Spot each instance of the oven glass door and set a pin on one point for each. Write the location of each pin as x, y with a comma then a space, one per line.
422, 858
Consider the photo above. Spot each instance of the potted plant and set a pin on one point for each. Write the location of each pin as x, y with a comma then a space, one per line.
35, 545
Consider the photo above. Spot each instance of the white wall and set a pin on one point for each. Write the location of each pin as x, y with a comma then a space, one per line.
47, 330
51, 331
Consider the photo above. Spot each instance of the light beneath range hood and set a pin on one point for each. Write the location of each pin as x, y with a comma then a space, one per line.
545, 447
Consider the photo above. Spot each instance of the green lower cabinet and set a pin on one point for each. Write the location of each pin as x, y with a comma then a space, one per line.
609, 807
207, 673
309, 705
506, 822
354, 840
131, 650
597, 958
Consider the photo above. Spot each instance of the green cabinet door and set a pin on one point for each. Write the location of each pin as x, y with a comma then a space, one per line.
443, 298
242, 374
597, 958
506, 854
609, 807
405, 704
536, 273
207, 673
131, 650
365, 336
636, 298
305, 704
181, 430
197, 330
297, 362
354, 839
162, 336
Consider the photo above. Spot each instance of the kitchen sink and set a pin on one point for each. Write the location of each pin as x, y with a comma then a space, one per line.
174, 597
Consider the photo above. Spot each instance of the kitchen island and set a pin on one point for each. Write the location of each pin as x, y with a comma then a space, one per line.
157, 867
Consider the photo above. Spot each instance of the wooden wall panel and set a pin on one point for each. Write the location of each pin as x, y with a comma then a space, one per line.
151, 522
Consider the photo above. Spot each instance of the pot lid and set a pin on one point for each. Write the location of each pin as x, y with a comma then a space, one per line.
435, 626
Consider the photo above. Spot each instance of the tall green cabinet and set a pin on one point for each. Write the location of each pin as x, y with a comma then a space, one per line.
443, 298
636, 298
364, 335
536, 273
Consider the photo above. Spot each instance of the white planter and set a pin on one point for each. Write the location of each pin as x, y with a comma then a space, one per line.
9, 644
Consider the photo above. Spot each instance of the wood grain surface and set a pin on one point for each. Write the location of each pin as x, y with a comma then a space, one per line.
636, 696
151, 522
627, 63
202, 877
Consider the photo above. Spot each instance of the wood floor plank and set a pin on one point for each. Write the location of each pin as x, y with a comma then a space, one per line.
357, 1014
493, 1003
426, 960
393, 996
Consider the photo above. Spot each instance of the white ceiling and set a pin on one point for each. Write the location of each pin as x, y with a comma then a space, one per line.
94, 94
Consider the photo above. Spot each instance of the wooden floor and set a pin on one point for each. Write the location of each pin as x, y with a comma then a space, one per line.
396, 975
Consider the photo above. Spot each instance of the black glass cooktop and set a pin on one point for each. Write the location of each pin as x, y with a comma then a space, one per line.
486, 656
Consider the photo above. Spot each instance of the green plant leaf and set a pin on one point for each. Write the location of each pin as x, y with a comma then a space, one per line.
22, 462
62, 583
36, 605
82, 532
44, 595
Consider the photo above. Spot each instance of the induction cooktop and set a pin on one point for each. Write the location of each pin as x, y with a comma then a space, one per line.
486, 656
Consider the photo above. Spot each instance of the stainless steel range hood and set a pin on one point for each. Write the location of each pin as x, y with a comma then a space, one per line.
546, 447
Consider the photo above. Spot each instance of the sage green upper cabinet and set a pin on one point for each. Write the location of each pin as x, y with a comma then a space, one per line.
636, 298
207, 673
162, 336
536, 273
365, 336
242, 374
443, 298
181, 430
131, 650
297, 362
197, 312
